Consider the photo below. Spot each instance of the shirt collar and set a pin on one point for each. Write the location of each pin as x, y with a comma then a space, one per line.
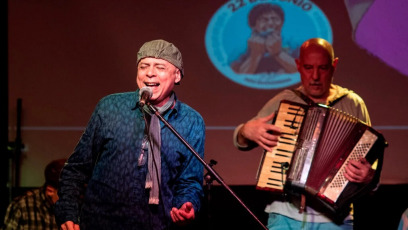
173, 109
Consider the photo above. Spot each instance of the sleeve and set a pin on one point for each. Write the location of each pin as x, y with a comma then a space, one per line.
356, 106
362, 111
77, 171
13, 216
188, 186
248, 147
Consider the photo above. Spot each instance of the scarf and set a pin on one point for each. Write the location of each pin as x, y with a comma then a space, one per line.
153, 177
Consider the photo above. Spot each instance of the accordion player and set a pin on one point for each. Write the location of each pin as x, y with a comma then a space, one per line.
315, 145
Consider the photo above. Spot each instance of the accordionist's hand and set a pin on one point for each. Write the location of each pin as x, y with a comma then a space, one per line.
359, 171
260, 131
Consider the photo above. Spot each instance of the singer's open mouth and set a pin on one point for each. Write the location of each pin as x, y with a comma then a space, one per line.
151, 84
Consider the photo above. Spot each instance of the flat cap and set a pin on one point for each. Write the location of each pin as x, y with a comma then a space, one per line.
163, 50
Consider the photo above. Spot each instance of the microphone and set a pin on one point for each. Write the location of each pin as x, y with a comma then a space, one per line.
145, 94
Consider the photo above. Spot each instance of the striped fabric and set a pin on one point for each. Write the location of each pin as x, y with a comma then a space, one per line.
31, 211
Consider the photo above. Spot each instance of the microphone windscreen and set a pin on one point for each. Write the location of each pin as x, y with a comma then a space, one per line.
145, 90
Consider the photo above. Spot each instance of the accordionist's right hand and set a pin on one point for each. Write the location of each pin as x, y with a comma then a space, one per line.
260, 131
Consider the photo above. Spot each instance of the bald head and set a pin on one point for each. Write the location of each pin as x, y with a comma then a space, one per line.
316, 44
316, 65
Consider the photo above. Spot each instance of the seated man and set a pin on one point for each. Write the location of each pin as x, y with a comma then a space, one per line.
35, 209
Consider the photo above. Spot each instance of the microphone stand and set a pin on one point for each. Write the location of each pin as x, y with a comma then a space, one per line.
209, 168
208, 178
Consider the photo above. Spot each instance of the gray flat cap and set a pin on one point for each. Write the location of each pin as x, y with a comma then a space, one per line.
163, 50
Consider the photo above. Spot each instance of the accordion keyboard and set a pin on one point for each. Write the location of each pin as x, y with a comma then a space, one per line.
272, 172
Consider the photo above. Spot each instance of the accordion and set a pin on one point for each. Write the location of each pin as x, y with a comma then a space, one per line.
315, 145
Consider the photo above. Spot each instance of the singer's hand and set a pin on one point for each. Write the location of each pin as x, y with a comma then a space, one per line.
260, 131
184, 215
359, 171
69, 225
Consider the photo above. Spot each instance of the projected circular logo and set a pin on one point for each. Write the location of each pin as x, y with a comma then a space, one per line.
255, 43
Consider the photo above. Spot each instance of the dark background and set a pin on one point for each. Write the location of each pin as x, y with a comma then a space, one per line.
63, 56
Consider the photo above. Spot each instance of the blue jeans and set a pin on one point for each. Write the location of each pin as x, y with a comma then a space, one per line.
281, 222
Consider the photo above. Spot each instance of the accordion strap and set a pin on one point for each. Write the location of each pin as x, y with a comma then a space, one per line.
302, 203
304, 97
310, 102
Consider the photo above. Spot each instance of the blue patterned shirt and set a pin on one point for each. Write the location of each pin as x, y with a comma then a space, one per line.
103, 187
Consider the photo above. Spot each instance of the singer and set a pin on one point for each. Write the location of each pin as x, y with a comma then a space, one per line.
128, 171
